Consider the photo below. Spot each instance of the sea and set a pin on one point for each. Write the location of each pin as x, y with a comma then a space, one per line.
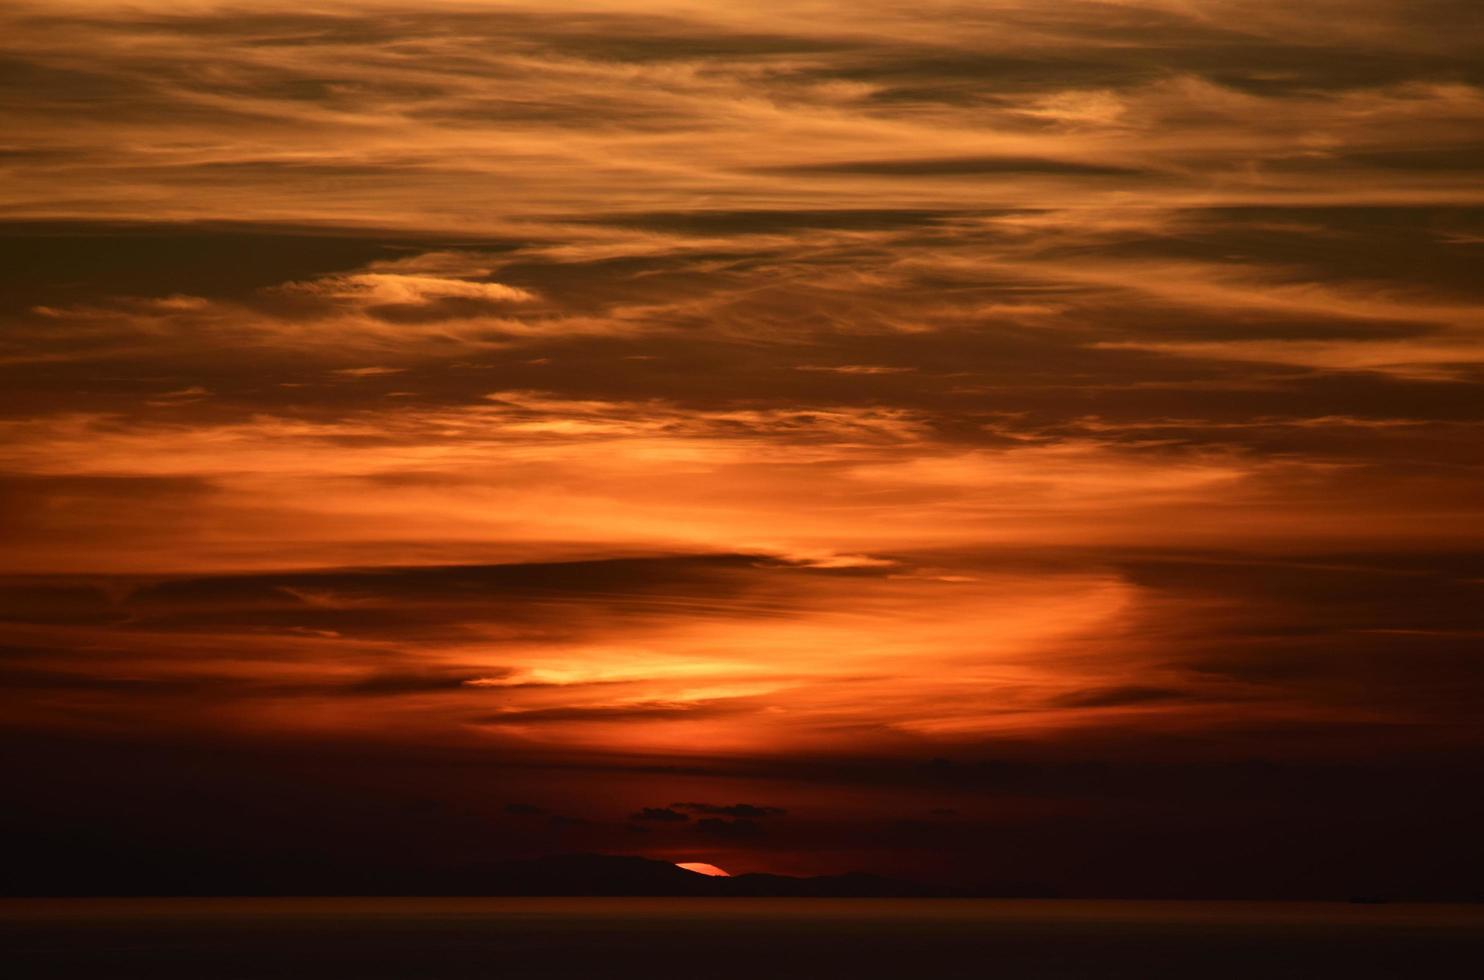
746, 939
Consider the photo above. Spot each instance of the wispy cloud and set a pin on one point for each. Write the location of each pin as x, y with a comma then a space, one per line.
784, 394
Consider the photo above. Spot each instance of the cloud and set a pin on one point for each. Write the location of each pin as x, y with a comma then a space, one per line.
853, 368
367, 372
526, 810
959, 167
519, 114
1115, 697
383, 288
741, 810
659, 814
735, 829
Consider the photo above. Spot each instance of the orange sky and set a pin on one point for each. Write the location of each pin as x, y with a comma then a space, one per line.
776, 396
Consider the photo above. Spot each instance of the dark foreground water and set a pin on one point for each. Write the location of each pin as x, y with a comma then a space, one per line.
433, 939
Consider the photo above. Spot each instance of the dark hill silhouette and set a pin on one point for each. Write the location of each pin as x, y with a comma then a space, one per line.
595, 874
855, 884
607, 874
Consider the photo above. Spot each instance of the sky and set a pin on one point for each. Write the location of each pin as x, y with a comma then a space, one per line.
999, 442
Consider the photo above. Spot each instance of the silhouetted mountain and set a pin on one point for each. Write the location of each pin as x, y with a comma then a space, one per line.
606, 874
595, 874
854, 884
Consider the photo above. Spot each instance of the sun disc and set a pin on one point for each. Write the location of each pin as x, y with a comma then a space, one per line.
702, 868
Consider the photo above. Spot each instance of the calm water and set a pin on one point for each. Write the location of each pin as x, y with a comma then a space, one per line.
432, 939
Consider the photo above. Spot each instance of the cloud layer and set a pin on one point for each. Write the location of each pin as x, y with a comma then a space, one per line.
820, 403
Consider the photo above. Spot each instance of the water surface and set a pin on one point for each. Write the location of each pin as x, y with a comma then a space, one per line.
433, 939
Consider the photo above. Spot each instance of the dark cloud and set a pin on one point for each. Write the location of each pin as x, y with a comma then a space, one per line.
1113, 697
960, 167
49, 263
389, 602
630, 712
526, 810
659, 814
212, 686
744, 810
763, 221
736, 829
